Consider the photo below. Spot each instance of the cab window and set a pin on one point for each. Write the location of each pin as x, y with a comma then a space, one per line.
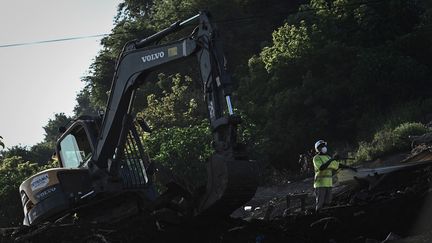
75, 149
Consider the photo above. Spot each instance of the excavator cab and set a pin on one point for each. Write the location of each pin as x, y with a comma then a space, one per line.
76, 145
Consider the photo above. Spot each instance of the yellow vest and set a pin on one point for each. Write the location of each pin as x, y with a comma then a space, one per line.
323, 178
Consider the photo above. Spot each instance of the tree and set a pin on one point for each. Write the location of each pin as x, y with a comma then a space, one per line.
42, 153
52, 128
84, 105
18, 151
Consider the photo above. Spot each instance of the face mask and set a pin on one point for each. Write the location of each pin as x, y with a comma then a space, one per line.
324, 150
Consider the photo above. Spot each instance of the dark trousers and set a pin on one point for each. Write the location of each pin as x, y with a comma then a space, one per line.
323, 195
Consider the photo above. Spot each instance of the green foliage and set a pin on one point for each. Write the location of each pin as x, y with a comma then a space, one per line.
179, 104
184, 150
405, 130
250, 135
52, 128
337, 71
289, 42
42, 153
133, 9
13, 171
84, 105
180, 139
390, 140
19, 151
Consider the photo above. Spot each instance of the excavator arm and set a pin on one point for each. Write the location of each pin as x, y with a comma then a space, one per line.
137, 61
131, 70
231, 175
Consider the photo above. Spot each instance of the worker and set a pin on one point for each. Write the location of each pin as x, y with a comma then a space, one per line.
324, 165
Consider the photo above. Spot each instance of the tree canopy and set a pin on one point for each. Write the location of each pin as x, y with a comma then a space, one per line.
338, 70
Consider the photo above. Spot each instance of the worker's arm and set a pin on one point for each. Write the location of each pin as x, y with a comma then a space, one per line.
326, 164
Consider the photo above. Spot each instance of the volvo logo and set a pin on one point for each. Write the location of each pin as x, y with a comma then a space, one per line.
153, 56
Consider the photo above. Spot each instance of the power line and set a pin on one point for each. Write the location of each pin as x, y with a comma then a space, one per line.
53, 40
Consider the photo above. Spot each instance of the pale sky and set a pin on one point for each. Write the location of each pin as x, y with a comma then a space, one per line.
37, 81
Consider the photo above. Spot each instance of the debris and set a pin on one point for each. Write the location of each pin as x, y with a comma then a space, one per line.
390, 237
247, 208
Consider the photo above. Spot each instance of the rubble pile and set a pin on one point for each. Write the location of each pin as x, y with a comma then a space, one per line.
369, 204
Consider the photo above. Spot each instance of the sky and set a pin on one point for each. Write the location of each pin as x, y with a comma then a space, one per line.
39, 80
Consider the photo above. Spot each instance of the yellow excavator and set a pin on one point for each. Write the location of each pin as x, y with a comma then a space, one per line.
103, 165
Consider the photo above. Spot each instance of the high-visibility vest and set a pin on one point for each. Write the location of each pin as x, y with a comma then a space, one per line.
323, 178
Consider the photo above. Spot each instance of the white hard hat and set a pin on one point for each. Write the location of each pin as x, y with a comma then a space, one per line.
318, 143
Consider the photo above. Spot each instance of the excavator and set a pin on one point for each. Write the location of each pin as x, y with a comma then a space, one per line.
103, 164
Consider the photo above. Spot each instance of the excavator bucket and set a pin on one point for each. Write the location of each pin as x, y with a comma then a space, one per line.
230, 184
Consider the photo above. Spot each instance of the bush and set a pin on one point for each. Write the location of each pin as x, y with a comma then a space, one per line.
390, 140
184, 150
13, 171
407, 129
